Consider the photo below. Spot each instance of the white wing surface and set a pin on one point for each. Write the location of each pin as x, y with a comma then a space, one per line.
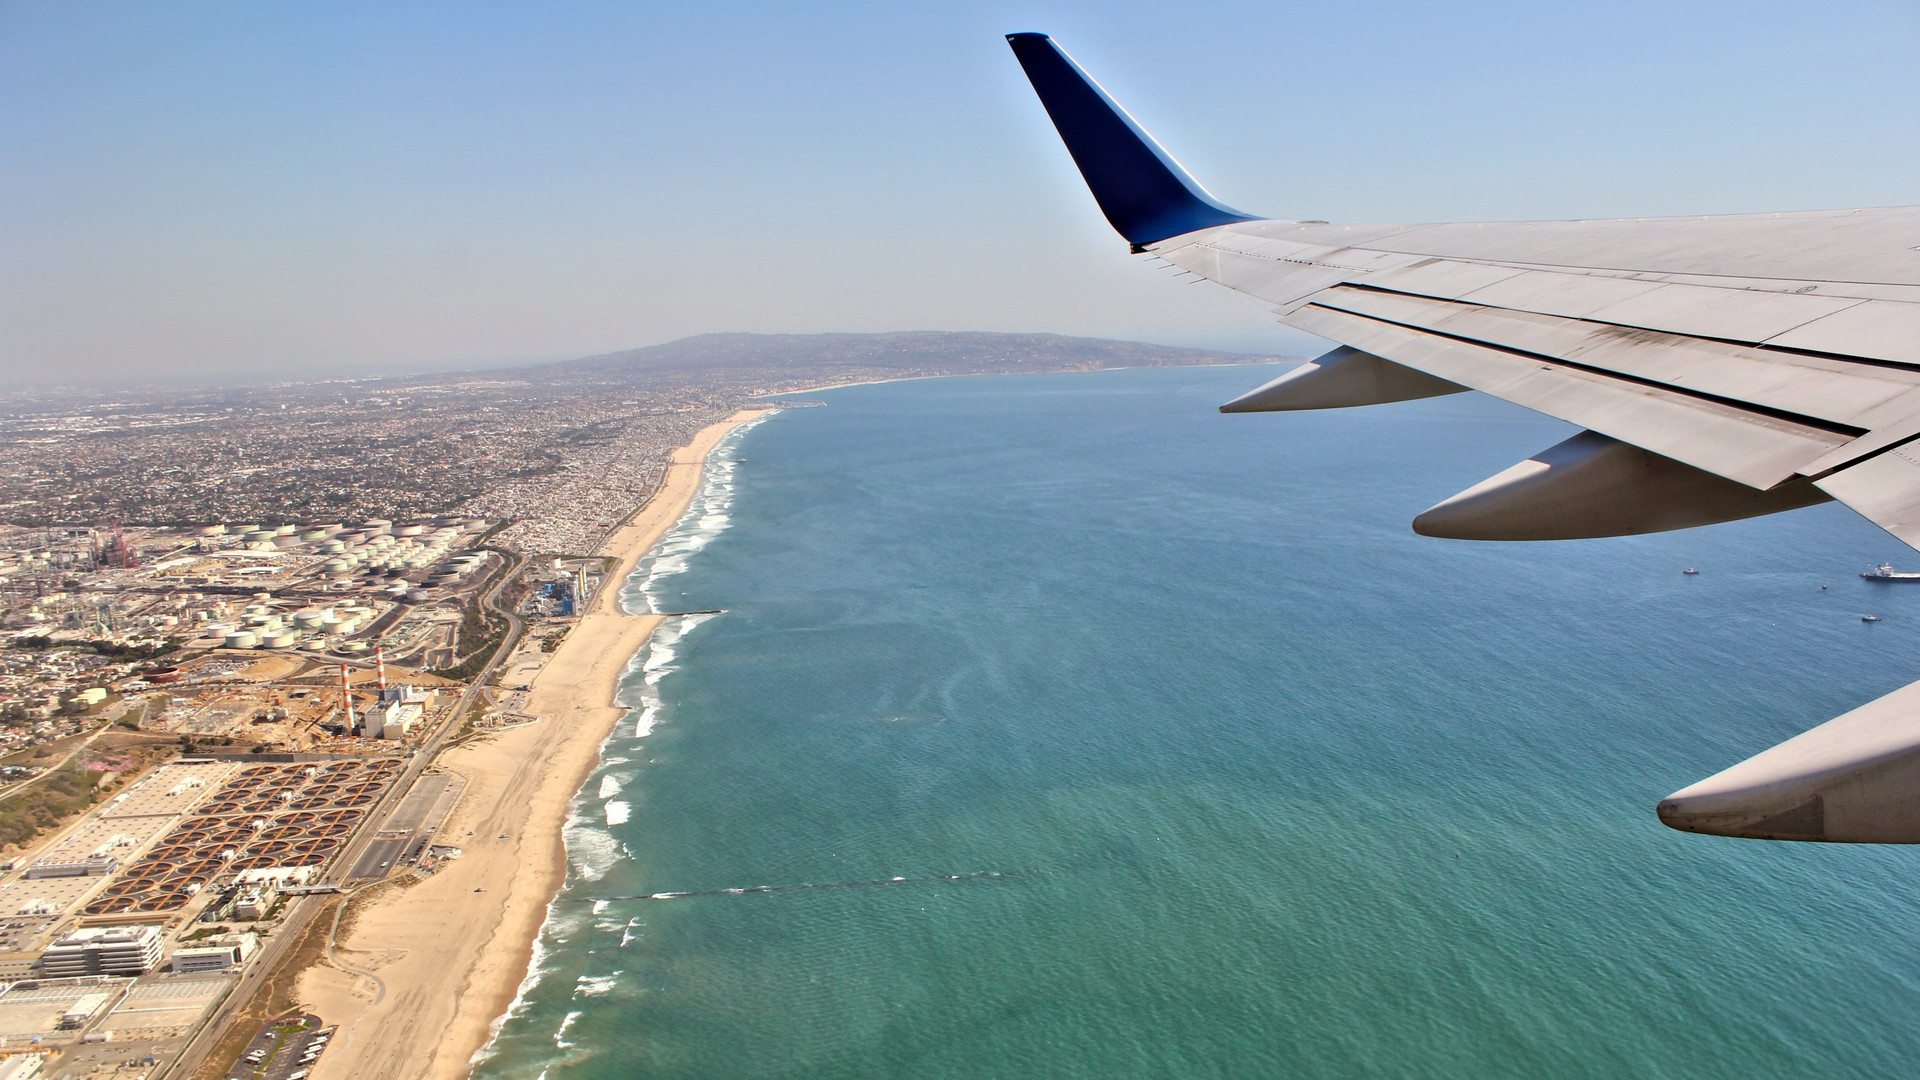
1722, 367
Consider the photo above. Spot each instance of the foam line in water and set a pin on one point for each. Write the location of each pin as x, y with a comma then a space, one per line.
944, 879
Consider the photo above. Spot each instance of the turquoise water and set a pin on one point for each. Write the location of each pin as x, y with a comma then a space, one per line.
1271, 786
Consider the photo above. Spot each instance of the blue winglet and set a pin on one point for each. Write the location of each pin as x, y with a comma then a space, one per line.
1145, 194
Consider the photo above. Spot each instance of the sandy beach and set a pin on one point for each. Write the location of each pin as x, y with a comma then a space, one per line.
436, 964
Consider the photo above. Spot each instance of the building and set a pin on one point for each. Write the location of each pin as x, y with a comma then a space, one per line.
272, 879
120, 950
392, 719
88, 867
84, 1010
21, 1067
251, 903
408, 694
216, 956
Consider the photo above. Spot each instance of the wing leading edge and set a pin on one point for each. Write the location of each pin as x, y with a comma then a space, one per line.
1722, 367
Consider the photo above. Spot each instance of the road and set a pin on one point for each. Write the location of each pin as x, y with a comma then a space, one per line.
390, 843
300, 911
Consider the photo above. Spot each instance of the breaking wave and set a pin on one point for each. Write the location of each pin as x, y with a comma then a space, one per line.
591, 848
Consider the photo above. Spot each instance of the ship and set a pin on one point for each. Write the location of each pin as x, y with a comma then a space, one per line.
1886, 572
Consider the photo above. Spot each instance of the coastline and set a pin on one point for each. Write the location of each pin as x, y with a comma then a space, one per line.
440, 962
1249, 362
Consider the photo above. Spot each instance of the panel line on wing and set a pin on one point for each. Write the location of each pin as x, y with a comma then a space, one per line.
1738, 443
1742, 405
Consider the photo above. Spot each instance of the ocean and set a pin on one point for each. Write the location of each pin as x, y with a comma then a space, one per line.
1059, 726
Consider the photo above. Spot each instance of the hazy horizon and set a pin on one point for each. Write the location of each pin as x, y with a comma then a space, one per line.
232, 192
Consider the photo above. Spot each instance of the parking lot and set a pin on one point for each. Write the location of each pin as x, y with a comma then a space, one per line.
283, 1049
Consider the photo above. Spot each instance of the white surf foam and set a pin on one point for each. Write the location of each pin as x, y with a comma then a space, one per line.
591, 849
609, 786
560, 1036
536, 970
594, 985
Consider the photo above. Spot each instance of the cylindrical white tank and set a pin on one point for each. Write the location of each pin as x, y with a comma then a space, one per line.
242, 639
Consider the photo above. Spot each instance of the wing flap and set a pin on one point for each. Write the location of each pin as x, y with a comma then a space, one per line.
1884, 489
1886, 330
1752, 448
1812, 390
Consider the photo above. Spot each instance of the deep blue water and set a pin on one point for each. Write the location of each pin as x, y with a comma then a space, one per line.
1273, 787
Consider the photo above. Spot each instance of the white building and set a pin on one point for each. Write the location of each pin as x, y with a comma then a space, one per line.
83, 1010
392, 720
119, 950
252, 904
216, 956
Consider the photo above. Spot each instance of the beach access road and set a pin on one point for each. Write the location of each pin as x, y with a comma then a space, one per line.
449, 951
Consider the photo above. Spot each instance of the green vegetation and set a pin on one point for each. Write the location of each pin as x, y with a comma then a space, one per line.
475, 661
114, 649
61, 793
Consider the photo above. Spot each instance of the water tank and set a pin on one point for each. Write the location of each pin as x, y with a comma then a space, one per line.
280, 639
417, 596
242, 639
410, 530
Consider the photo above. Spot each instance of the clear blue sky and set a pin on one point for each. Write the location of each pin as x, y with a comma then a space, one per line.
249, 189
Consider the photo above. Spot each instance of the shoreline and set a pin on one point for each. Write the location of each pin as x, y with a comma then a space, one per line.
447, 957
1255, 361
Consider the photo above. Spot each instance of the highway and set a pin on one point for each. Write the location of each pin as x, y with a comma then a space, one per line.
300, 910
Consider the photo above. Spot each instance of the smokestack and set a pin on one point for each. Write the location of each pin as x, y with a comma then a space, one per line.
380, 665
346, 699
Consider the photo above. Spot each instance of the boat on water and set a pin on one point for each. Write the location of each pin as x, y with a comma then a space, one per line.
1869, 618
1689, 570
1886, 572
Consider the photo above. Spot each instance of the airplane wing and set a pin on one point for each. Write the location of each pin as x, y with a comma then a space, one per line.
1721, 367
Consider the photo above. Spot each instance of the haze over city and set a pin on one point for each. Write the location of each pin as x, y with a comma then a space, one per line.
236, 191
575, 541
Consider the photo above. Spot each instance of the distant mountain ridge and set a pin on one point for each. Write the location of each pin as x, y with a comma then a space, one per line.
906, 351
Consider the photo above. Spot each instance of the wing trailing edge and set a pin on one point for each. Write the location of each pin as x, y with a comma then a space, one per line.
1723, 367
